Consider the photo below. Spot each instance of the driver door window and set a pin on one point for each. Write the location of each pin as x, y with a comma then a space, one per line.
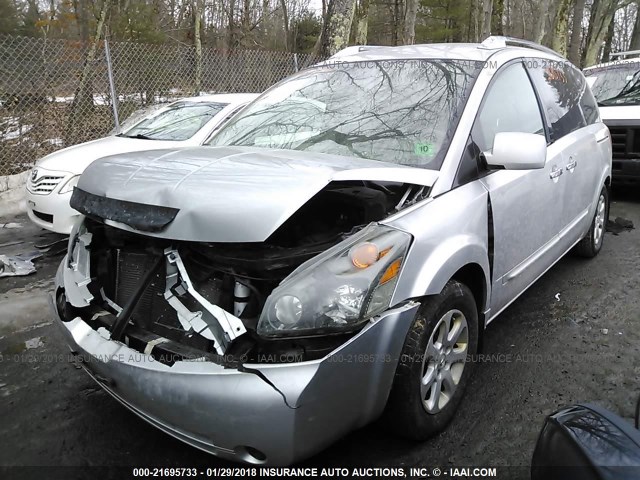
509, 106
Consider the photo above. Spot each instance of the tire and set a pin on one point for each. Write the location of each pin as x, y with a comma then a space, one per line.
592, 242
406, 413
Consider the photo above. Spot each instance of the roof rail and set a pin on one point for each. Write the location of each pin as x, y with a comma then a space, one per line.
620, 54
498, 41
353, 50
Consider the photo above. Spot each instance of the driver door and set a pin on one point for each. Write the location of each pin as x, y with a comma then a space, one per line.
526, 205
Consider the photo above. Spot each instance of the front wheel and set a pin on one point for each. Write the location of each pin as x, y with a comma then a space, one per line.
591, 244
434, 369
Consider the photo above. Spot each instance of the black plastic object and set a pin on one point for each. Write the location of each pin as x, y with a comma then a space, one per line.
143, 217
586, 442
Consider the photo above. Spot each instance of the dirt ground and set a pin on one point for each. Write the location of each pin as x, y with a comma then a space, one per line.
573, 337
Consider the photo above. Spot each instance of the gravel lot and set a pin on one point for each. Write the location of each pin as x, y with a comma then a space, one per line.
573, 337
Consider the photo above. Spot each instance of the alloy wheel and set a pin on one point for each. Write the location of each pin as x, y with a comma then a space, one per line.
444, 361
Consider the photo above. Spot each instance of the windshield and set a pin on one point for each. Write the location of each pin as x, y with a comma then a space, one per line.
615, 85
179, 121
135, 117
401, 112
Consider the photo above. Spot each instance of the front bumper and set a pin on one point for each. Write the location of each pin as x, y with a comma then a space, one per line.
51, 211
267, 413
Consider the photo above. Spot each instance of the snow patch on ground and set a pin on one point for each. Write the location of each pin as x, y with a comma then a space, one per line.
11, 128
12, 198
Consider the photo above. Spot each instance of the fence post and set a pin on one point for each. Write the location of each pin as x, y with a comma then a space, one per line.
112, 86
295, 61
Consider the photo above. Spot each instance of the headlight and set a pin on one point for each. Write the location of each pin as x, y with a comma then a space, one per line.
69, 184
340, 288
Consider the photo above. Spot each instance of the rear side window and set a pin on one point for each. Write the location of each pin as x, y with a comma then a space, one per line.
567, 101
510, 105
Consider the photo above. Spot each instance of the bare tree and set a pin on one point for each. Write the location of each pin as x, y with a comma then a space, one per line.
285, 21
541, 12
576, 32
337, 27
608, 40
559, 40
197, 8
602, 12
496, 20
487, 8
83, 98
410, 12
362, 22
634, 44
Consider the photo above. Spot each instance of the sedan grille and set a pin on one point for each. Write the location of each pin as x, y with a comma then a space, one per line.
45, 184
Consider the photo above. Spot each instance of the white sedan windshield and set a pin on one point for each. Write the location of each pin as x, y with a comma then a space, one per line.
179, 121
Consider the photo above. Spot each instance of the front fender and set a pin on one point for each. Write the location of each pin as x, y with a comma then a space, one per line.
450, 232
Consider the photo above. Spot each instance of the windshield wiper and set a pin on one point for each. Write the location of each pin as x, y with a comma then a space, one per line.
630, 87
139, 136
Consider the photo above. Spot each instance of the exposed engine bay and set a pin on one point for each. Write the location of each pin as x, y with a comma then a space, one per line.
181, 301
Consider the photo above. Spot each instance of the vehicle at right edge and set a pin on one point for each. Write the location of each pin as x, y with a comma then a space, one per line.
336, 250
616, 87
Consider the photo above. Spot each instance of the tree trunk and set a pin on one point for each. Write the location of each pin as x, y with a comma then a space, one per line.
197, 19
83, 98
608, 39
541, 21
576, 33
362, 22
337, 27
245, 23
601, 17
559, 41
285, 20
410, 12
496, 20
395, 34
265, 21
635, 36
80, 7
487, 8
231, 39
471, 37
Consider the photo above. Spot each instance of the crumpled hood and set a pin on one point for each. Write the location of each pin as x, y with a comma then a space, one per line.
230, 194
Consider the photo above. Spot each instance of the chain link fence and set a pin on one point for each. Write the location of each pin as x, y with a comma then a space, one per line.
57, 93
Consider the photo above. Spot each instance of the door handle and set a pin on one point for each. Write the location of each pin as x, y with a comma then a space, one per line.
572, 165
555, 173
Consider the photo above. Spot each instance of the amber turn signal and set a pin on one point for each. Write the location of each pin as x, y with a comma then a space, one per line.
391, 272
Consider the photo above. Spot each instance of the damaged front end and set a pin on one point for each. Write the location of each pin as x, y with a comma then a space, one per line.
263, 352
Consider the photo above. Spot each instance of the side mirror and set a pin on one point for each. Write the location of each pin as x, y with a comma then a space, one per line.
517, 151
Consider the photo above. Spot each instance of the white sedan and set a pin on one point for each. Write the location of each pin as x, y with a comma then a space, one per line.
183, 123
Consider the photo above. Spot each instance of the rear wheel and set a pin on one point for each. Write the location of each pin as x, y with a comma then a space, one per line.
591, 244
433, 370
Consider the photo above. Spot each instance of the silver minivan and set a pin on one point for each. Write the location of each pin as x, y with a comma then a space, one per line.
338, 249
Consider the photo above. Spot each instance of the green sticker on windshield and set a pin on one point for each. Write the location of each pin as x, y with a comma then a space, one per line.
425, 149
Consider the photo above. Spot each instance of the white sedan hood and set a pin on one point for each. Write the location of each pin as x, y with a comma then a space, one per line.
77, 158
220, 194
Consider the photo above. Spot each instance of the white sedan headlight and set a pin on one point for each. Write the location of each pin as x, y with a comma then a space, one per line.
69, 184
340, 288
